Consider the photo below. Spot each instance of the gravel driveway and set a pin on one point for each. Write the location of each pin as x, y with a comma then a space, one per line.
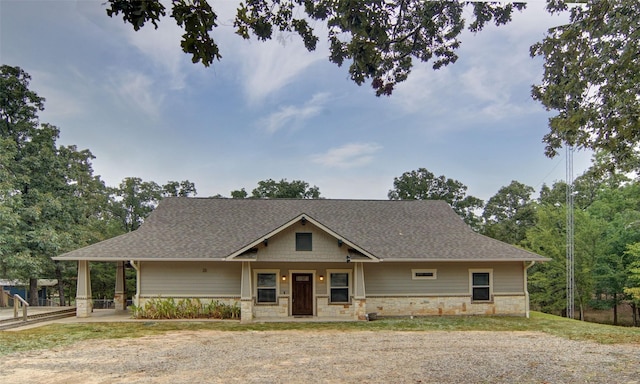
328, 357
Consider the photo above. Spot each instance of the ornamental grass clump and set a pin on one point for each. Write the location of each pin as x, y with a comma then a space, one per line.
168, 308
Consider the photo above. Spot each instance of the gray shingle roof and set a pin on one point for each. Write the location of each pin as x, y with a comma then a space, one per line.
207, 228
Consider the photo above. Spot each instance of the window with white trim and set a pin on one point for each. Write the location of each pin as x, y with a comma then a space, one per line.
481, 284
266, 286
339, 286
424, 274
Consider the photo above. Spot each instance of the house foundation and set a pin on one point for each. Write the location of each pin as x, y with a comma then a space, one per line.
510, 305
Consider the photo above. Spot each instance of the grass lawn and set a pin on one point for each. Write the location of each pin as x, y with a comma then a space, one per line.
63, 334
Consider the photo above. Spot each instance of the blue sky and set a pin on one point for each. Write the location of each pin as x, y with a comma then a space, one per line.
273, 110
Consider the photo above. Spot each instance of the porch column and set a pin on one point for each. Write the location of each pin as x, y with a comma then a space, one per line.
246, 300
358, 292
120, 297
84, 304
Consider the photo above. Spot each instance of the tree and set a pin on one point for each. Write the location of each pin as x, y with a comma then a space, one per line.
48, 193
619, 207
421, 184
239, 194
592, 79
179, 189
547, 281
607, 213
632, 288
380, 38
134, 199
509, 213
283, 189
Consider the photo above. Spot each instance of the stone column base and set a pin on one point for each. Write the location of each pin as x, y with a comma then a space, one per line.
84, 307
360, 309
120, 301
246, 311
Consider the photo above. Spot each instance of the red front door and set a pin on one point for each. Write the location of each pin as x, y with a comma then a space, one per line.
302, 294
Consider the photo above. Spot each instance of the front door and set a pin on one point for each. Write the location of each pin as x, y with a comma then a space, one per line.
302, 294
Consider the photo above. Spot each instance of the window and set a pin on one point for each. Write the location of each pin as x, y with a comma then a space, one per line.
423, 274
303, 241
267, 287
480, 285
339, 286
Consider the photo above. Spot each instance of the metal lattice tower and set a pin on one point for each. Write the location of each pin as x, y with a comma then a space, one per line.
570, 261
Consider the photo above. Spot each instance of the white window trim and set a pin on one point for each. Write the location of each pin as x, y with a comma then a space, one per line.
350, 286
255, 288
483, 270
414, 273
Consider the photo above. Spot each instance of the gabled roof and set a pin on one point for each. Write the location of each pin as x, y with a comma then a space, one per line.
215, 229
302, 217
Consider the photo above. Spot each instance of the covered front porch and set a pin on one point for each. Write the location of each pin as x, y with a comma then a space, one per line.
84, 298
264, 291
302, 291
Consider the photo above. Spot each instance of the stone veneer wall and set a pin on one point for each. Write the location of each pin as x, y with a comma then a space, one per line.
346, 311
355, 310
514, 305
281, 309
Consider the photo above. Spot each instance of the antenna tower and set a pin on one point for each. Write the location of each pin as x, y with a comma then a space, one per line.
570, 261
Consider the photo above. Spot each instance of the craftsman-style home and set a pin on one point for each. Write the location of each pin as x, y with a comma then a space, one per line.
286, 258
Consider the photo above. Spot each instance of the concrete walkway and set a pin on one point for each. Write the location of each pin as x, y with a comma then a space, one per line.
7, 313
98, 316
111, 316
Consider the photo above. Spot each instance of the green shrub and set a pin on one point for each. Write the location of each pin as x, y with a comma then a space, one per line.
167, 308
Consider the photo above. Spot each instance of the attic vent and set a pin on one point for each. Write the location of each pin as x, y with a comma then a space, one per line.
423, 274
304, 241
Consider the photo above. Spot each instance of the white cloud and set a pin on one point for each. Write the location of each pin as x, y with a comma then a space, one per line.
292, 115
347, 156
271, 65
60, 102
492, 78
160, 46
136, 90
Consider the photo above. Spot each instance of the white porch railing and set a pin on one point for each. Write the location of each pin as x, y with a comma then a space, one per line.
17, 301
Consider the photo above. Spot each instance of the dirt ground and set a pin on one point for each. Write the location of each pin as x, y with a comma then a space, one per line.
328, 357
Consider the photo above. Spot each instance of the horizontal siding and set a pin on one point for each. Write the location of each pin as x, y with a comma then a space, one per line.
223, 278
189, 278
508, 278
452, 278
282, 247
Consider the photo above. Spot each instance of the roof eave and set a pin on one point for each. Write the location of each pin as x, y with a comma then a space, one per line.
468, 260
148, 258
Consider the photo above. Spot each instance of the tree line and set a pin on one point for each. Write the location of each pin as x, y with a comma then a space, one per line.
51, 202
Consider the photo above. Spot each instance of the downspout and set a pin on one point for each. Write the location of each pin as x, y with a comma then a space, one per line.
526, 290
137, 295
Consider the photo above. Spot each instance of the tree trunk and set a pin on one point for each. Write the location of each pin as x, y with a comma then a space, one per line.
33, 292
60, 284
635, 314
615, 309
